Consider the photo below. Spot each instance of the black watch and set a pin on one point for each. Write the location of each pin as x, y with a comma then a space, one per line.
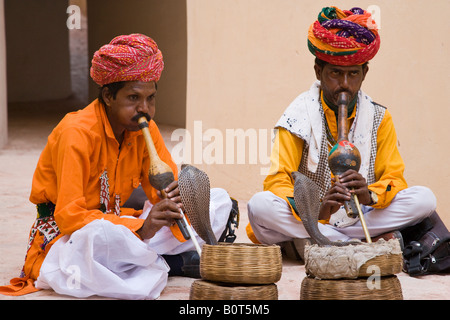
373, 198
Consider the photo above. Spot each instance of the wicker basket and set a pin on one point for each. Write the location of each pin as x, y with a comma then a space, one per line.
241, 263
389, 264
205, 290
355, 261
358, 289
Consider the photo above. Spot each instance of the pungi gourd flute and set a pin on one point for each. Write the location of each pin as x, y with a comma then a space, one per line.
344, 155
160, 176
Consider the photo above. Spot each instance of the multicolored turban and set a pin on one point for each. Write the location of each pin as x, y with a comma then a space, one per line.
344, 37
133, 57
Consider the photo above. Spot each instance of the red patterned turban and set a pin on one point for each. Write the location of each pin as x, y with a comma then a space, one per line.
344, 37
133, 57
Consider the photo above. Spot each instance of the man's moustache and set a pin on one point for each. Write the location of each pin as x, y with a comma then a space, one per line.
140, 115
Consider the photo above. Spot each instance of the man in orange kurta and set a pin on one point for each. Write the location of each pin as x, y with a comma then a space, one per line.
343, 42
93, 161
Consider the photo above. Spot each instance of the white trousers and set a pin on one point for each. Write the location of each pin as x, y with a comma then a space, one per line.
109, 260
272, 221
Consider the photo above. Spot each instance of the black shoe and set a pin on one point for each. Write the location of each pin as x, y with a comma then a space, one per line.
191, 264
295, 249
229, 234
186, 264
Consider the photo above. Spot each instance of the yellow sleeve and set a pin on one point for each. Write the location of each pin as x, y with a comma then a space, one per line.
389, 165
285, 158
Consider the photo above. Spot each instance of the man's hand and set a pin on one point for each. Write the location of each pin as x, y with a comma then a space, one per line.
162, 214
333, 200
343, 188
356, 184
173, 193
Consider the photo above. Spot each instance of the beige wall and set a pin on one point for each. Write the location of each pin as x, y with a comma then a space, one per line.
165, 22
37, 50
248, 59
3, 89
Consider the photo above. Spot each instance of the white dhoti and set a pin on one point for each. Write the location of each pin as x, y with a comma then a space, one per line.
109, 260
272, 220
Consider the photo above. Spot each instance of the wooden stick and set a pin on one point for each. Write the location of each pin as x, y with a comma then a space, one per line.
363, 221
192, 235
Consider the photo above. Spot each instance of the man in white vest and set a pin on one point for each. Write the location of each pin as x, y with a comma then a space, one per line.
343, 42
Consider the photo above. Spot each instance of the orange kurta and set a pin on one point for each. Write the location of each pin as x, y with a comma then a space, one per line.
80, 149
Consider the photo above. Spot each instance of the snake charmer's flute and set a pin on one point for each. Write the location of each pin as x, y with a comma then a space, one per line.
344, 155
160, 174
